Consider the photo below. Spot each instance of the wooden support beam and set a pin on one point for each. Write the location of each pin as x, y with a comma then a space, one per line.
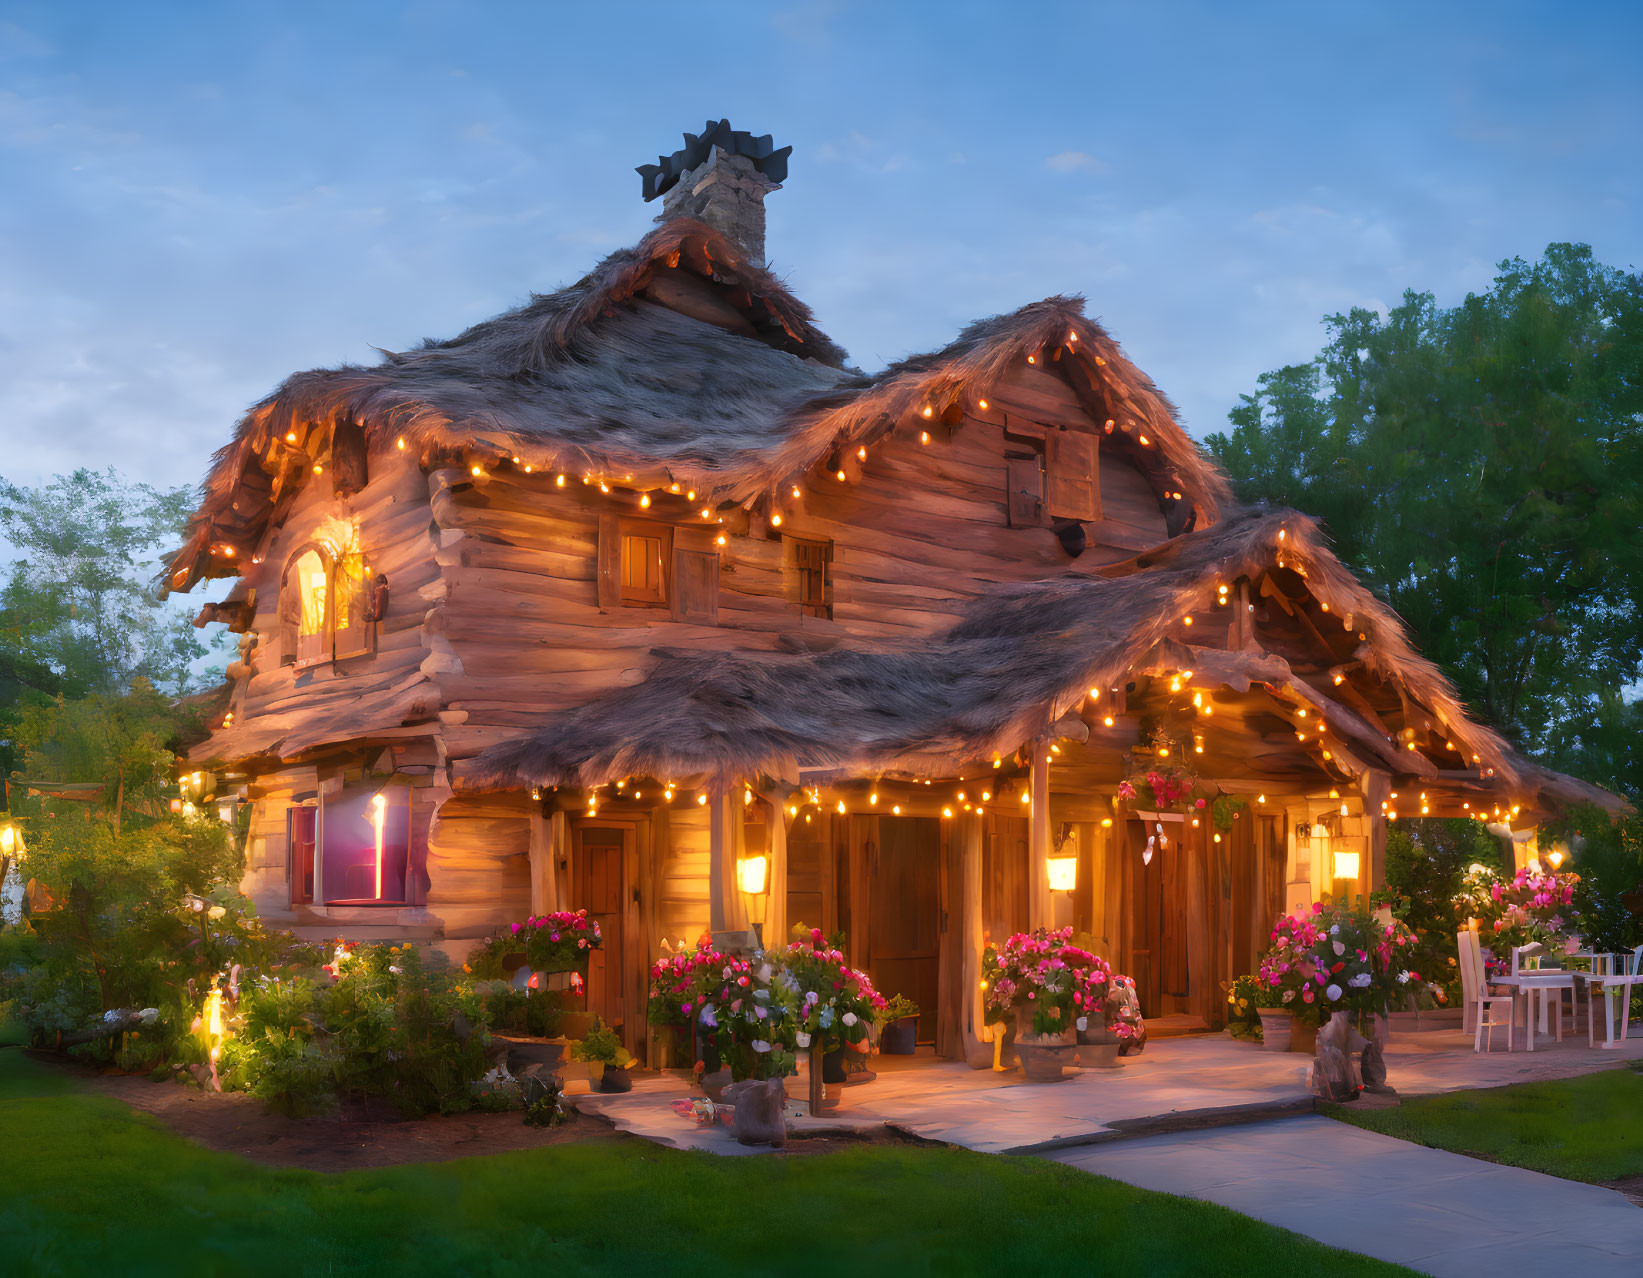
775, 909
726, 912
1040, 910
550, 847
977, 1051
1375, 785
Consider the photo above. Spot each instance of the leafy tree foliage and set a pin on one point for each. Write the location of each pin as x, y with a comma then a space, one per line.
1481, 467
78, 613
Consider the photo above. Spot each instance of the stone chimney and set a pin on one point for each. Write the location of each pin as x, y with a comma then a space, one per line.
720, 177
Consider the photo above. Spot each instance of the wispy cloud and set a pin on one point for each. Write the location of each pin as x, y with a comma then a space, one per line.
1074, 162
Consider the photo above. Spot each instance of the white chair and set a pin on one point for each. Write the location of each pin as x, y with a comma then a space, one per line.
1480, 1005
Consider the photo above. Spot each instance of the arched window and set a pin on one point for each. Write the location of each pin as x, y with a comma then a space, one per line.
323, 607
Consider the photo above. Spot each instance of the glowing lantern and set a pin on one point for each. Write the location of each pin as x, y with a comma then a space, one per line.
752, 874
1063, 873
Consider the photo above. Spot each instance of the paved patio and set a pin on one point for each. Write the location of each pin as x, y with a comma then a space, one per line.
1176, 1082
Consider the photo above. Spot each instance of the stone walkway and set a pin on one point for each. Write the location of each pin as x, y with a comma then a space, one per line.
1175, 1082
1434, 1211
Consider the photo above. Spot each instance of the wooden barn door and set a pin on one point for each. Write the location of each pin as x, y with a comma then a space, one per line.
1003, 877
1158, 919
605, 871
904, 915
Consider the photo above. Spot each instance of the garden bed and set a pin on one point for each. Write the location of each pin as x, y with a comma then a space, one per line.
358, 1137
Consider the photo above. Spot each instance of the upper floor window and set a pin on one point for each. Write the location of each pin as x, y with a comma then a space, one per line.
644, 565
1051, 473
813, 561
324, 606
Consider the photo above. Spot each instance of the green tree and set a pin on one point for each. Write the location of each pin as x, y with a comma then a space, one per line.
1481, 467
79, 602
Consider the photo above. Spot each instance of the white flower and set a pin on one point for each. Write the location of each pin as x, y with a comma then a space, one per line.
149, 1015
1339, 949
1333, 993
215, 912
1360, 981
395, 970
849, 1018
764, 973
803, 1038
1334, 928
1083, 1023
1403, 978
1289, 995
759, 1045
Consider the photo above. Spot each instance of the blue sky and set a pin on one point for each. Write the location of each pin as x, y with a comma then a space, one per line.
200, 199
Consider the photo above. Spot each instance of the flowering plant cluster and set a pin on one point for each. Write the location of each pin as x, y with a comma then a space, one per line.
1044, 975
1533, 905
742, 1020
830, 997
1159, 778
1335, 957
681, 982
558, 941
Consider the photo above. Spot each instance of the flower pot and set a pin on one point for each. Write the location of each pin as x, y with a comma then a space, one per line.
1099, 1055
1043, 1056
899, 1037
1277, 1028
615, 1081
1303, 1037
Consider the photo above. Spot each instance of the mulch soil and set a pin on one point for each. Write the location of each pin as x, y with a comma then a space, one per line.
355, 1138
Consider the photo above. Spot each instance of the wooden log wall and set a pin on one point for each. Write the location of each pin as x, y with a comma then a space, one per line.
922, 531
280, 708
479, 862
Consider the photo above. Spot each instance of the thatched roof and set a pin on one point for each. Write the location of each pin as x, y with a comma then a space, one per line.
1022, 656
597, 379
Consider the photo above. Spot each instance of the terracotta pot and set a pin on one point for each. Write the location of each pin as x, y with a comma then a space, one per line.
1303, 1037
1099, 1055
1277, 1028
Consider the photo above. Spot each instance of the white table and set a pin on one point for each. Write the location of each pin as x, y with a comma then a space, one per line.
1596, 985
1543, 983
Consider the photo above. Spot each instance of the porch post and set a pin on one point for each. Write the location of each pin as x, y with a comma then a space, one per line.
973, 1022
725, 912
1376, 786
1040, 909
549, 839
775, 906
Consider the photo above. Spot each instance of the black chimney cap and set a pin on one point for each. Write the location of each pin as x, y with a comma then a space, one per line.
666, 172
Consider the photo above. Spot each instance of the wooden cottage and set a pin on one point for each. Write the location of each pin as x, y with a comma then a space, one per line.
639, 598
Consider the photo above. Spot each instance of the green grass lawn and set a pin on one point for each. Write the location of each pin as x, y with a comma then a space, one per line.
89, 1186
1586, 1128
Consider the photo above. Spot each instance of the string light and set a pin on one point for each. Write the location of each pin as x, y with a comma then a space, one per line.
983, 404
400, 443
558, 481
644, 501
923, 438
776, 520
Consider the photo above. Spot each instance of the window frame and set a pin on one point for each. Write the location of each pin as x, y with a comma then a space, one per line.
290, 610
821, 549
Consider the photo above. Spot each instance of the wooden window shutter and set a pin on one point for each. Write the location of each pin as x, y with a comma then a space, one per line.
696, 587
1024, 478
1073, 488
351, 601
348, 460
610, 561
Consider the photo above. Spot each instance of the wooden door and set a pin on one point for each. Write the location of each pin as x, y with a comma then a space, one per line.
1158, 919
1003, 877
602, 853
904, 915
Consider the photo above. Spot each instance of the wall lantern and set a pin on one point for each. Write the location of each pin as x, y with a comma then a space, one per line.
11, 837
1555, 856
753, 874
1346, 865
1063, 873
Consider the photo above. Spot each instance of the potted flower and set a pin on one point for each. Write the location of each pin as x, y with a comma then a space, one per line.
607, 1060
1047, 985
680, 985
1288, 1008
832, 1006
898, 1027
